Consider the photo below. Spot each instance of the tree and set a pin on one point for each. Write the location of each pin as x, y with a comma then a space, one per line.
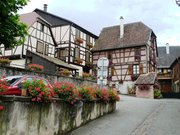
12, 31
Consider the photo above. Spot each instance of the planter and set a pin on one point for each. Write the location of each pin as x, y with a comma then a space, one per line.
24, 92
79, 40
79, 61
90, 45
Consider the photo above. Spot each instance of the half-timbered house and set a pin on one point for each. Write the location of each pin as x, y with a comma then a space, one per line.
167, 67
74, 43
131, 50
39, 39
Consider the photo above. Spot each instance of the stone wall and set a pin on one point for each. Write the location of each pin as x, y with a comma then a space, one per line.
20, 116
10, 71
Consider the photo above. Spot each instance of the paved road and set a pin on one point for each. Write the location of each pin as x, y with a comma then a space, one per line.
137, 116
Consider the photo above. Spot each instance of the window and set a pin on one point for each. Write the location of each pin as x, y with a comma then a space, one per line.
78, 34
40, 47
87, 39
62, 53
87, 56
135, 69
42, 27
137, 54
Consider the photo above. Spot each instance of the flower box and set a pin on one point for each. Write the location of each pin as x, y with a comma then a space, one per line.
5, 61
64, 72
86, 75
89, 64
90, 45
79, 40
78, 60
35, 67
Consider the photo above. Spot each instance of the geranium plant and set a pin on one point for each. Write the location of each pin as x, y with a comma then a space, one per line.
89, 64
38, 90
78, 60
66, 91
64, 72
87, 92
3, 86
35, 67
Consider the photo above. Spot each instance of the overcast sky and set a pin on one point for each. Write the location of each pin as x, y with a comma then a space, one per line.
162, 16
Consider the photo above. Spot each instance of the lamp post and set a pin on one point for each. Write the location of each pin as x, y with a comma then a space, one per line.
178, 2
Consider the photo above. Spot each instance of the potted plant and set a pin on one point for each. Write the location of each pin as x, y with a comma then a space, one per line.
64, 72
38, 90
66, 91
86, 75
35, 67
89, 64
90, 45
79, 40
4, 61
78, 60
3, 86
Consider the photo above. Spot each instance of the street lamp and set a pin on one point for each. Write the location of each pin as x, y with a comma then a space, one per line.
178, 2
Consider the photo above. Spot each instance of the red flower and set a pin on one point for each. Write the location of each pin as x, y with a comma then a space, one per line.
1, 107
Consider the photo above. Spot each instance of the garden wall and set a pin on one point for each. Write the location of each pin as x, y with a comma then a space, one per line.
10, 71
20, 116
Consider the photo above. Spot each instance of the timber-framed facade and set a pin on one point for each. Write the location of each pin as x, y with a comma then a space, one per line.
129, 56
39, 39
74, 43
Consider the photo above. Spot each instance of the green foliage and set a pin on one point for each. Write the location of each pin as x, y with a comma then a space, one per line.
157, 93
38, 90
12, 31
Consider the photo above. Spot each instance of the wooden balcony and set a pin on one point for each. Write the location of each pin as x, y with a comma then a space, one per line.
165, 76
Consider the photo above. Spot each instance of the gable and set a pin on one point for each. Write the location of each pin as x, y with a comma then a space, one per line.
135, 34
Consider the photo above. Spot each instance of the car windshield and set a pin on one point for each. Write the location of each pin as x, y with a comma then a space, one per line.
12, 80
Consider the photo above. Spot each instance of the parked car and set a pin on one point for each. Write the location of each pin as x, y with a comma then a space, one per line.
15, 83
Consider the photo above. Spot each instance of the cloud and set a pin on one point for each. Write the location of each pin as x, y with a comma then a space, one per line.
161, 16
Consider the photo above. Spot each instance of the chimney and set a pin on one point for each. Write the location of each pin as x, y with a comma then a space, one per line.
121, 27
167, 48
45, 7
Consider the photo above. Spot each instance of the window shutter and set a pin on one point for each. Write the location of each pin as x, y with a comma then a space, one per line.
40, 47
130, 69
141, 68
77, 53
46, 49
112, 71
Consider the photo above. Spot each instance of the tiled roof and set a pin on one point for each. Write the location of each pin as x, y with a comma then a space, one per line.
55, 20
55, 61
31, 18
149, 78
135, 34
165, 60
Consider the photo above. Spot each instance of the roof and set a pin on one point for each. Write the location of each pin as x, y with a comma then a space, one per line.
149, 78
59, 21
55, 61
31, 18
165, 60
175, 61
135, 34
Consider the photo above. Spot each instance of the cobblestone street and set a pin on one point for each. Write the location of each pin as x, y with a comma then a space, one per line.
137, 116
